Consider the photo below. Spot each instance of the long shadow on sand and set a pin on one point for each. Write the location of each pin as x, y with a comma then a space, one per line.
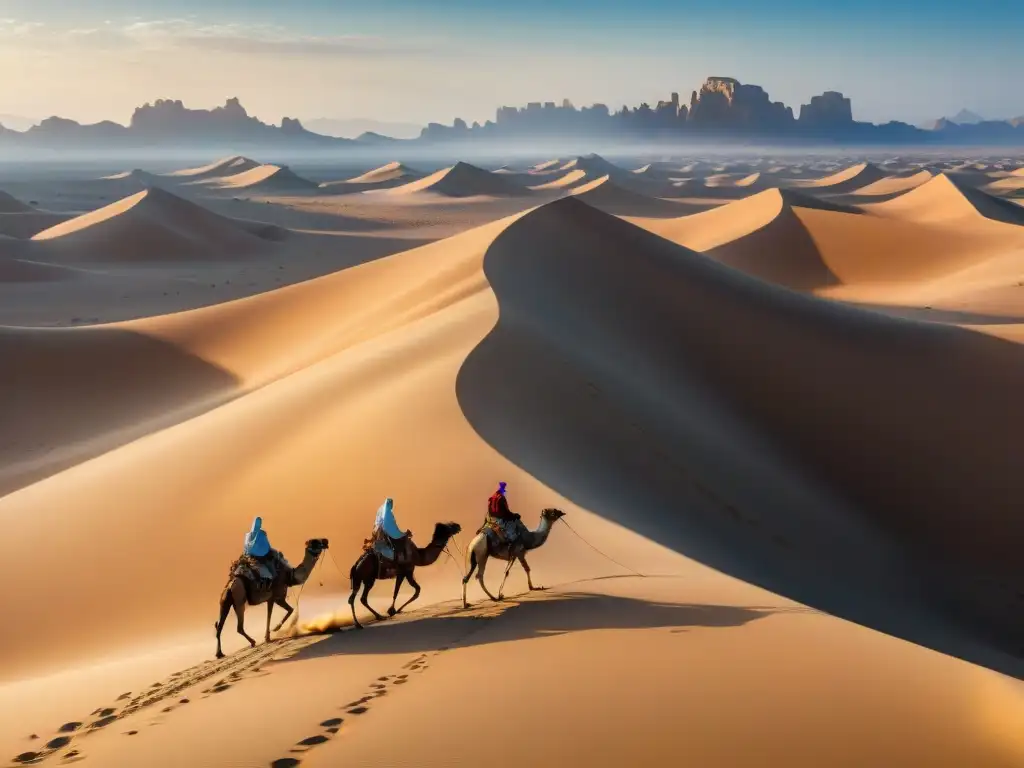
532, 618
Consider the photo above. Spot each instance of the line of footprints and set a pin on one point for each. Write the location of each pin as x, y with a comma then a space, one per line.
361, 706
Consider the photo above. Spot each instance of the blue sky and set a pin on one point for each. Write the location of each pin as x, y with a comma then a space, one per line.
420, 60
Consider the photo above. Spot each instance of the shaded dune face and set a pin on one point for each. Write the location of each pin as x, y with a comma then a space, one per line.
912, 425
80, 392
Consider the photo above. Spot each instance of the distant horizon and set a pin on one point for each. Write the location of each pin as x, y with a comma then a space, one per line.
421, 62
370, 121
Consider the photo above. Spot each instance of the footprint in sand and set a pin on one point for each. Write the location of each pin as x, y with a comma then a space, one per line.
69, 727
31, 758
285, 762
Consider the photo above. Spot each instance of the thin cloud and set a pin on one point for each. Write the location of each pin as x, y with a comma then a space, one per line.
256, 40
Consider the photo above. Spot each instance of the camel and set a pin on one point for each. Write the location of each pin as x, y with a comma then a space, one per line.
482, 548
240, 590
367, 570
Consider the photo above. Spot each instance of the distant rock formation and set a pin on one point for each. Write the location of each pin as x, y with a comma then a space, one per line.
725, 102
722, 109
829, 109
170, 122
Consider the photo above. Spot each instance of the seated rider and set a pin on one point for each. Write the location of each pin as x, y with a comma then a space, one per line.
389, 540
257, 546
497, 508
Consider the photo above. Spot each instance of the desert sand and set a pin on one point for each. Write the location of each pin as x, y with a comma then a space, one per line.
781, 421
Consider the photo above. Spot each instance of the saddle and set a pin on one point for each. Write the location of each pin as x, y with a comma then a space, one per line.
262, 574
497, 533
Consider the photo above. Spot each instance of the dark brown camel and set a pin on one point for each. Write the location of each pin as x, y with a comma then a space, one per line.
241, 591
367, 570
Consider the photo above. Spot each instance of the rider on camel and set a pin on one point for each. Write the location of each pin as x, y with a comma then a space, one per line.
257, 546
497, 509
389, 540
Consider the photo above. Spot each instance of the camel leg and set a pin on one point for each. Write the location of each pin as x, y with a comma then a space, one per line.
238, 601
366, 592
501, 588
270, 612
522, 559
399, 579
288, 610
480, 579
415, 594
356, 584
225, 608
469, 573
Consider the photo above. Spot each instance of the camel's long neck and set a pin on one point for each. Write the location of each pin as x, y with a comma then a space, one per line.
428, 555
302, 571
537, 537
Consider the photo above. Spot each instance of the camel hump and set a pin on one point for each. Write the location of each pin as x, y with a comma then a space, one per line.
261, 572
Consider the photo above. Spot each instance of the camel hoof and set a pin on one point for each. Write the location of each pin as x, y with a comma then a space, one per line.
220, 654
392, 611
252, 643
357, 626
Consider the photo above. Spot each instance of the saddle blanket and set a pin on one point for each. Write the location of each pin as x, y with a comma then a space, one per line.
261, 572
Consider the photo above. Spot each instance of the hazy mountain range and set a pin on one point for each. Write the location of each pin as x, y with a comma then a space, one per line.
723, 110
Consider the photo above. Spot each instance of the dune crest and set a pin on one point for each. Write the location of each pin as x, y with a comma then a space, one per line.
153, 225
228, 166
262, 178
390, 172
610, 197
944, 199
462, 180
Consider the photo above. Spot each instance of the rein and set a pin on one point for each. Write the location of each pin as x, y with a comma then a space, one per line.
602, 554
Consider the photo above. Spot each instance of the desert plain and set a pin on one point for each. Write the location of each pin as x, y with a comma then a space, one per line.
777, 397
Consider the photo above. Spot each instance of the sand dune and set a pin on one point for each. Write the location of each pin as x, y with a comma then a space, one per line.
11, 204
22, 220
761, 235
732, 179
701, 313
389, 172
151, 226
668, 389
894, 185
28, 223
385, 177
1011, 185
595, 165
848, 180
263, 178
563, 182
802, 242
608, 196
228, 166
462, 180
547, 165
945, 200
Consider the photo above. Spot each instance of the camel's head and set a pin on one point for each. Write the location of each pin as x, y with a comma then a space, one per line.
552, 515
444, 531
316, 546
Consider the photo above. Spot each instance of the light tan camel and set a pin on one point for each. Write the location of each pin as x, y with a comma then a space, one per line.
484, 547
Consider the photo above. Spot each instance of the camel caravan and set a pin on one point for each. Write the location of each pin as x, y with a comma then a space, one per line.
263, 575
